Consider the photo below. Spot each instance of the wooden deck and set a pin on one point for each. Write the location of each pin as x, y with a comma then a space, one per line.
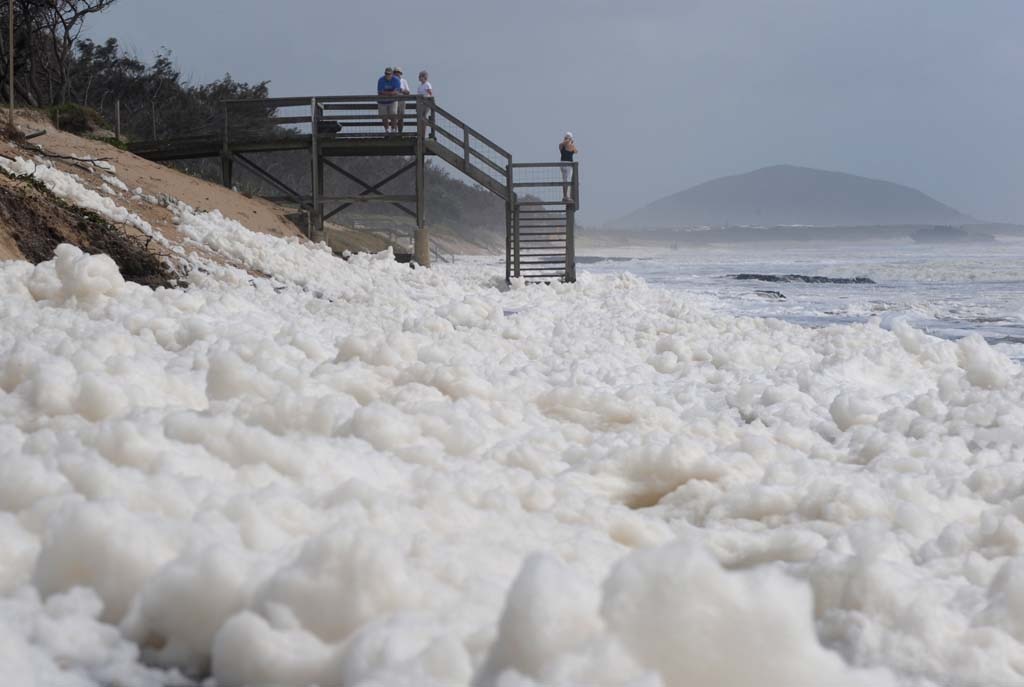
541, 199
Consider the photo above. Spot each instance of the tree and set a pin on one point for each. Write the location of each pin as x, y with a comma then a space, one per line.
46, 34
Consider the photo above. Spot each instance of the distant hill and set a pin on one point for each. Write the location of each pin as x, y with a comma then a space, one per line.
786, 195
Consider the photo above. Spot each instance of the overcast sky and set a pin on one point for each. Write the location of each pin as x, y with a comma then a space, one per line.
661, 94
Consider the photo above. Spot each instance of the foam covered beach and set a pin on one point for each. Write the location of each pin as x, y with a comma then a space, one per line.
357, 473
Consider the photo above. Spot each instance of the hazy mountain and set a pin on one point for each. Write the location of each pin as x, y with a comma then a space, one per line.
785, 194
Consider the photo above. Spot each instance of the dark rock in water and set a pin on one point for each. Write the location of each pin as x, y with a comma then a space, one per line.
772, 295
944, 234
806, 279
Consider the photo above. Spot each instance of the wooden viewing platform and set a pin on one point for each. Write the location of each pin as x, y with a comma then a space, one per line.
540, 205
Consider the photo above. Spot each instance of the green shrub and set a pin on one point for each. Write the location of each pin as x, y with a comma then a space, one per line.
76, 119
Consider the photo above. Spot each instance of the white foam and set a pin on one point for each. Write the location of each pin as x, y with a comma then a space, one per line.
355, 472
70, 188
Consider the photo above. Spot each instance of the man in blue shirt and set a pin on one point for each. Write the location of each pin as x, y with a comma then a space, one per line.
388, 86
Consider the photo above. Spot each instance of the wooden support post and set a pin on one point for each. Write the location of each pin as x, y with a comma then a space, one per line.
421, 239
570, 244
510, 200
227, 168
570, 226
227, 163
117, 119
10, 65
316, 212
518, 259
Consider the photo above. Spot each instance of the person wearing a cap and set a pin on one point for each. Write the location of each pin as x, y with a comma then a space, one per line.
403, 89
567, 148
388, 86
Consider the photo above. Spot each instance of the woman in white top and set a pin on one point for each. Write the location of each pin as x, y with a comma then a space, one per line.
425, 87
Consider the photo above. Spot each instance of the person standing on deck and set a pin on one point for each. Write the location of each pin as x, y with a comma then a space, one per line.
403, 89
567, 148
425, 88
427, 91
388, 87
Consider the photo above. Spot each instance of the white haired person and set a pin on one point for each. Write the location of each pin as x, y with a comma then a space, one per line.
427, 91
425, 88
567, 148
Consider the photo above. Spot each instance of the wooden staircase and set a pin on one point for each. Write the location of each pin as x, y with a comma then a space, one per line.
540, 247
540, 207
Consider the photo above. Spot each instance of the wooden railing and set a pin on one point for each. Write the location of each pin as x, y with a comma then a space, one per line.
356, 116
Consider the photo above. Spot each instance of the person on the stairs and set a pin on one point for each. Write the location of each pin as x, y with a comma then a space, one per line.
567, 148
388, 87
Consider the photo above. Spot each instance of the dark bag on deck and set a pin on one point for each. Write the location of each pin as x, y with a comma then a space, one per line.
327, 127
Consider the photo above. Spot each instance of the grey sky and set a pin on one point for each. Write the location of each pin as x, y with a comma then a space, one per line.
661, 94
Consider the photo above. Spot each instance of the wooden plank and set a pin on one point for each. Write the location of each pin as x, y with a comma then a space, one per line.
330, 99
528, 165
358, 118
351, 107
538, 184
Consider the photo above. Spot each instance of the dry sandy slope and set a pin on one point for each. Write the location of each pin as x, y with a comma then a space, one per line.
157, 181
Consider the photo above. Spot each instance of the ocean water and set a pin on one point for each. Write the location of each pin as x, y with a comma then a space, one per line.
947, 290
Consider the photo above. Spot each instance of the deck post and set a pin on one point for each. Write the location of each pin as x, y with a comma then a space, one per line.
570, 226
226, 161
227, 168
316, 212
510, 199
421, 239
